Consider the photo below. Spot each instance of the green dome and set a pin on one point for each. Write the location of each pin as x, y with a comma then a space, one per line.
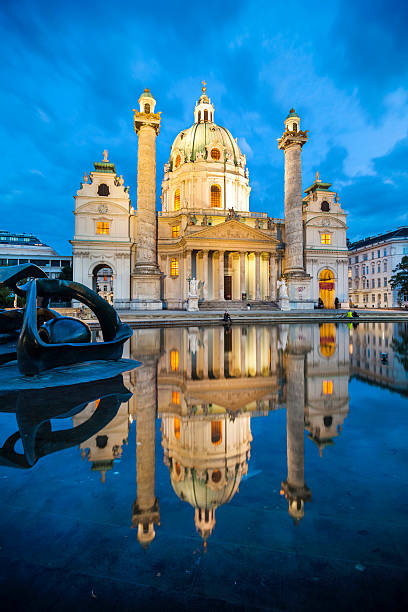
292, 113
147, 94
195, 139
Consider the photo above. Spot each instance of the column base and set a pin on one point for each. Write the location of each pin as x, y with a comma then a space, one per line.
146, 291
121, 304
299, 291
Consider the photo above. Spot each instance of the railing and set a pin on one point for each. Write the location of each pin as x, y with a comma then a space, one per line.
217, 212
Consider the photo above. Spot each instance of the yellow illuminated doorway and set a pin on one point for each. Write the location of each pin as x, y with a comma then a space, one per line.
327, 339
326, 288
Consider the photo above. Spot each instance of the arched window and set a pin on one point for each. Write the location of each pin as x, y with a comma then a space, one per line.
206, 115
175, 397
215, 196
174, 360
102, 227
147, 108
103, 190
216, 476
178, 161
199, 116
177, 428
325, 206
294, 127
215, 154
174, 266
216, 432
177, 199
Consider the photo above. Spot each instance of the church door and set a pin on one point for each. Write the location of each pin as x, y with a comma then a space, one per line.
327, 288
227, 287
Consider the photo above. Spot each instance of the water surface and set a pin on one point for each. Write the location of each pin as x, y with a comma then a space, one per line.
251, 467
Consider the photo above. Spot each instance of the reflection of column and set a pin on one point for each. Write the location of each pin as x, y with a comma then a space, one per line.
257, 276
243, 347
205, 353
145, 512
295, 489
242, 288
272, 277
258, 351
221, 275
205, 275
221, 336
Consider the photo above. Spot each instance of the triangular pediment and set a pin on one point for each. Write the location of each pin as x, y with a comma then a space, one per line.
231, 230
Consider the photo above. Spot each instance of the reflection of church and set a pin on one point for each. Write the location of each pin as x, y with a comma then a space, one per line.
205, 384
206, 230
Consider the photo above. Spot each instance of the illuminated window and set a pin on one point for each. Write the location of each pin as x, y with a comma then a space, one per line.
215, 196
174, 266
102, 227
177, 465
326, 238
175, 397
177, 428
327, 387
215, 154
174, 360
175, 231
177, 199
178, 161
216, 432
216, 476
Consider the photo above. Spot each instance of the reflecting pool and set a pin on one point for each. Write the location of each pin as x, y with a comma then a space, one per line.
239, 467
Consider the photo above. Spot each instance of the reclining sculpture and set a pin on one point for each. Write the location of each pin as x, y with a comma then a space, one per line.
45, 338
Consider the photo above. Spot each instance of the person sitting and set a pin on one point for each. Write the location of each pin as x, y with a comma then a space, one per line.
227, 318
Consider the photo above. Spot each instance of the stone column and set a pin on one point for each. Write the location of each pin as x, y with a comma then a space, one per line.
221, 275
146, 275
257, 276
241, 274
258, 351
187, 273
205, 275
243, 354
272, 277
205, 353
291, 143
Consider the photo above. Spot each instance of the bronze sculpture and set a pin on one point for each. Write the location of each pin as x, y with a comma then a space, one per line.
46, 339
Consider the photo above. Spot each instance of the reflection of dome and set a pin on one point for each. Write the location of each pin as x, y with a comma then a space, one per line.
207, 457
196, 138
198, 490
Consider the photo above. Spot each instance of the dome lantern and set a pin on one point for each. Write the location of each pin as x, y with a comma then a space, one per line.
147, 102
204, 110
292, 121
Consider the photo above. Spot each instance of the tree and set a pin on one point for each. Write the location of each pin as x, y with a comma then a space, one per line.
66, 273
6, 301
400, 345
399, 280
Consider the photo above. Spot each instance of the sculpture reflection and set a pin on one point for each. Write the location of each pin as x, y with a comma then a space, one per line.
35, 410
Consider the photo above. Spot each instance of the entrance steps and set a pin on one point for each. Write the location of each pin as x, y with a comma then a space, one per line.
238, 305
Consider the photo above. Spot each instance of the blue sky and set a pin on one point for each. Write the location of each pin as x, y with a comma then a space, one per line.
73, 71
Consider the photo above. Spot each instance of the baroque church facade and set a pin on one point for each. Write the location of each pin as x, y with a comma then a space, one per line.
206, 248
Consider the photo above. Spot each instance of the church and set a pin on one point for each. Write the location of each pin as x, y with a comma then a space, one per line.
205, 248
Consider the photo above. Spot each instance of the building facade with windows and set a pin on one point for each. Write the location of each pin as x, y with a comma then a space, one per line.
205, 230
371, 264
16, 249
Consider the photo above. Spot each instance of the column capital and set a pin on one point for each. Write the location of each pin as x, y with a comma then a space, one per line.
152, 120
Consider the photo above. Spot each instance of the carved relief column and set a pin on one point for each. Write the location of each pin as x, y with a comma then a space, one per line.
221, 275
187, 272
205, 275
257, 276
146, 275
242, 275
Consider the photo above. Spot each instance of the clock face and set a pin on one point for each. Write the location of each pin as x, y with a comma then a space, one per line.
102, 208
